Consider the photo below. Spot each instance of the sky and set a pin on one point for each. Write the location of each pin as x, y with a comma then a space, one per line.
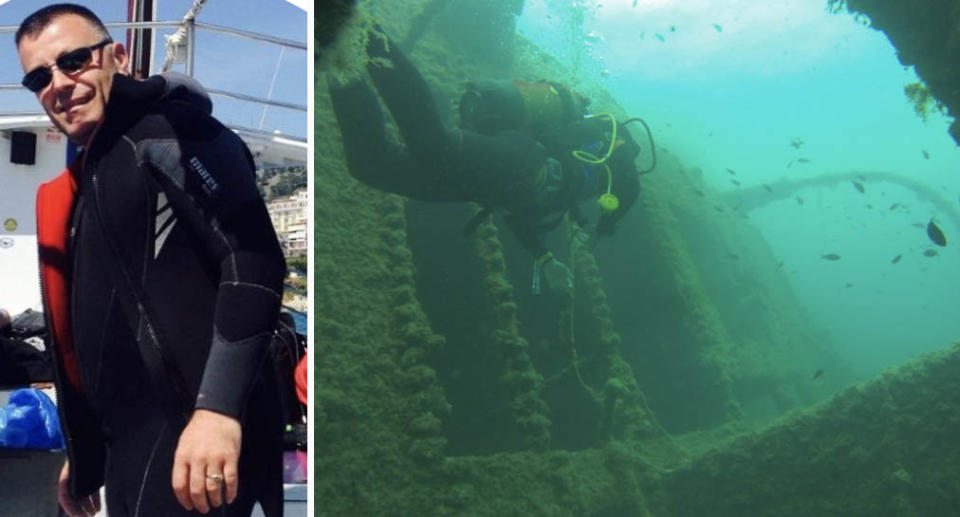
730, 85
223, 62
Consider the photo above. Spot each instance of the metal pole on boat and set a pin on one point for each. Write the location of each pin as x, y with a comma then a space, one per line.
273, 82
191, 35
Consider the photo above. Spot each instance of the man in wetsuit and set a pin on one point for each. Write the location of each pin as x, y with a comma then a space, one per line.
161, 278
513, 153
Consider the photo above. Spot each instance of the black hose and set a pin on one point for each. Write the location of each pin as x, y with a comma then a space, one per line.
653, 149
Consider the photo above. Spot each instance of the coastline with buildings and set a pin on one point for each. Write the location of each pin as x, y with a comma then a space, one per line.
289, 216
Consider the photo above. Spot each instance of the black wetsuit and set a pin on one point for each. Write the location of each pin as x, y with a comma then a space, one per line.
501, 171
173, 250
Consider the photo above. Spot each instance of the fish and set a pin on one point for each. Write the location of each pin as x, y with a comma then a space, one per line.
718, 27
733, 256
735, 182
869, 206
642, 34
768, 188
803, 160
859, 186
848, 284
918, 225
926, 155
789, 163
732, 172
896, 259
634, 3
799, 200
930, 253
698, 192
718, 208
935, 234
830, 256
673, 28
894, 206
779, 265
660, 37
817, 374
796, 143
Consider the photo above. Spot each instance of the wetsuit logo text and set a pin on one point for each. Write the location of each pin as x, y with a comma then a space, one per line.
210, 185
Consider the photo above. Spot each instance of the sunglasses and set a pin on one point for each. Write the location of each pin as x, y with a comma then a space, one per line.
69, 63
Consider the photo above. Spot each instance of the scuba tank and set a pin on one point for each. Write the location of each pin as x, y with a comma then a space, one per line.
551, 110
491, 106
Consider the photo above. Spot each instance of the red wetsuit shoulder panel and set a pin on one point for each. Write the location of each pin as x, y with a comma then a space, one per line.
55, 200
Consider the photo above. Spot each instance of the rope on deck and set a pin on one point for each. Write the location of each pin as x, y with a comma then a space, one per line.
178, 39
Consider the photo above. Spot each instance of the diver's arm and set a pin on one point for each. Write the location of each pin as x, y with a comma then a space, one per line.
224, 211
252, 269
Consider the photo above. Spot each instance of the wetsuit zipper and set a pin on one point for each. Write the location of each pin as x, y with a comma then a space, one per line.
141, 309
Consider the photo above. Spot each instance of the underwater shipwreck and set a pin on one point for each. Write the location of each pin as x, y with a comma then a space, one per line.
444, 387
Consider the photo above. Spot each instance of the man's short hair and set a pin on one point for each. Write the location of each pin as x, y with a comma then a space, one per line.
35, 23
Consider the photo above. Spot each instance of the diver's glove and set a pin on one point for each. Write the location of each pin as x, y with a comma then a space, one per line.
555, 274
581, 236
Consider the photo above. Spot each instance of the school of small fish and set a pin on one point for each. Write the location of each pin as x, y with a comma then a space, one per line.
934, 233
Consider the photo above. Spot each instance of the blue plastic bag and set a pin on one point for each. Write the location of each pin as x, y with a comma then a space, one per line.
29, 421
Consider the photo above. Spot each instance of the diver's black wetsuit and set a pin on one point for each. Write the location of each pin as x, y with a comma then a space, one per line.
503, 171
173, 249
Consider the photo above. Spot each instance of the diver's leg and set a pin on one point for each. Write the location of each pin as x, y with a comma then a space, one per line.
365, 143
372, 157
408, 97
499, 171
506, 170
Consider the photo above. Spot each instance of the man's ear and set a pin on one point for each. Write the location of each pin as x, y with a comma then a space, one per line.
121, 58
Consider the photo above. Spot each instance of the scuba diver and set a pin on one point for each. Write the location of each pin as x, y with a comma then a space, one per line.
527, 150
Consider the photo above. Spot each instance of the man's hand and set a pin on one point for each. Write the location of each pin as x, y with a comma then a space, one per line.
206, 458
86, 507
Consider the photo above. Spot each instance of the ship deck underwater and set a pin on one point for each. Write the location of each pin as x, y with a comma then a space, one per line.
674, 382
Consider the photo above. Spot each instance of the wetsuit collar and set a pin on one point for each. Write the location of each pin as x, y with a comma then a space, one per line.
131, 98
